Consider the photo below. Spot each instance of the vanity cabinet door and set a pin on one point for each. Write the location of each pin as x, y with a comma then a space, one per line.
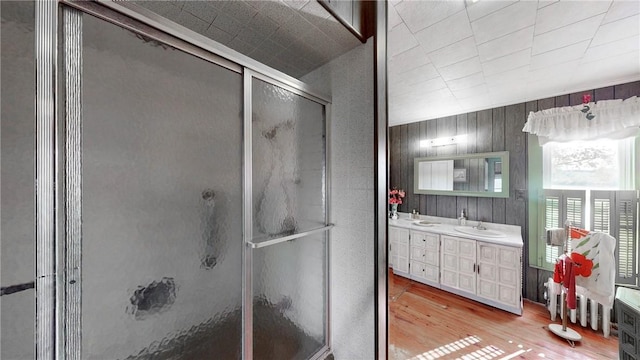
458, 263
499, 273
399, 240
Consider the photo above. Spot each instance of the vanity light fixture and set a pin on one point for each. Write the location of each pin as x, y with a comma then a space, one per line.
449, 140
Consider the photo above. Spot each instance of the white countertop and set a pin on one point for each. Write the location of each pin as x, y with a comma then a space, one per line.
446, 226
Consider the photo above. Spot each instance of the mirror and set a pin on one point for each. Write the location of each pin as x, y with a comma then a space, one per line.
482, 175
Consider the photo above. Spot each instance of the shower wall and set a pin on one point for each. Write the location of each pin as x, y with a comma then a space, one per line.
17, 238
162, 196
349, 80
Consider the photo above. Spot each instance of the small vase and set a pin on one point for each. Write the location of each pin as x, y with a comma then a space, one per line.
394, 212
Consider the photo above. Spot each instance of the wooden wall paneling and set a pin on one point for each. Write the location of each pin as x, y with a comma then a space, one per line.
548, 103
562, 100
423, 153
516, 205
412, 201
432, 132
605, 93
531, 285
625, 91
404, 155
432, 200
497, 133
576, 98
447, 126
472, 133
498, 144
484, 141
485, 210
531, 274
543, 276
461, 129
461, 123
394, 155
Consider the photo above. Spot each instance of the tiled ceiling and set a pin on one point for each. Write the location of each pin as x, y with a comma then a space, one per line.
456, 56
293, 36
445, 57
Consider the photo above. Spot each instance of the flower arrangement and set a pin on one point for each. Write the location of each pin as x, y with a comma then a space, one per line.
395, 196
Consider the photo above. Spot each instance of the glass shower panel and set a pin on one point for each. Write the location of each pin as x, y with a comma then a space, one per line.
288, 133
289, 307
161, 201
17, 248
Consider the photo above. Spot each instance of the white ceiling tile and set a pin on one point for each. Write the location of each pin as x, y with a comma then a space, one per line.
421, 87
512, 61
543, 3
613, 48
617, 30
466, 93
564, 13
621, 9
421, 73
466, 82
507, 44
567, 35
461, 69
560, 72
446, 32
420, 14
616, 68
394, 19
400, 40
558, 56
454, 53
478, 102
505, 21
483, 8
408, 60
517, 75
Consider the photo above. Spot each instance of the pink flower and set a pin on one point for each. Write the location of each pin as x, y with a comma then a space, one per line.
401, 193
586, 98
393, 192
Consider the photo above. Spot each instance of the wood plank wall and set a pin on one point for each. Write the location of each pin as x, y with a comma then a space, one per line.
496, 129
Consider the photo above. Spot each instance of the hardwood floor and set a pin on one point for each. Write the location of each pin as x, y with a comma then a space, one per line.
428, 323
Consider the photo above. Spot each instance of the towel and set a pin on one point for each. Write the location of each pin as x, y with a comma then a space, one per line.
556, 236
600, 284
569, 282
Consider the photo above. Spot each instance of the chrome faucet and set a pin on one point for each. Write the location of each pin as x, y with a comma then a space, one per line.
480, 226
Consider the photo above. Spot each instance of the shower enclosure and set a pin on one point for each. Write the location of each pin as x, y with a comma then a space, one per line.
180, 208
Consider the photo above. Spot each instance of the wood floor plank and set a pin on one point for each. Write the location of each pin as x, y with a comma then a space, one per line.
428, 323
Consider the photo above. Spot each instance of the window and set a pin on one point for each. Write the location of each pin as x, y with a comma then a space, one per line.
589, 165
591, 185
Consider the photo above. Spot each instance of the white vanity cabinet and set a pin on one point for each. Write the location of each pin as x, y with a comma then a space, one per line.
424, 260
499, 273
399, 250
459, 263
482, 271
485, 268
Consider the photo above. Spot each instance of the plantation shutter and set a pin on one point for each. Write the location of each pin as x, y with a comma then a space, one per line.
616, 213
560, 206
626, 232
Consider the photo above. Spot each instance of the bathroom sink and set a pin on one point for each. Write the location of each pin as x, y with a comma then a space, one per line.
485, 233
426, 223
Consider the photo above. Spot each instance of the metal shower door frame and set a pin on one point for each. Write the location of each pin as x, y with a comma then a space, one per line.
59, 162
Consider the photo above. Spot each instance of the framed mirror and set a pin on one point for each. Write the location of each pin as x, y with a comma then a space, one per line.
481, 175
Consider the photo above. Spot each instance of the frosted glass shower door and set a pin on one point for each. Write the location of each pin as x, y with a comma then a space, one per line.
161, 200
289, 242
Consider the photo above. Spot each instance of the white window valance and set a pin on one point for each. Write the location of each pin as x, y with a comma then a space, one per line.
610, 119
